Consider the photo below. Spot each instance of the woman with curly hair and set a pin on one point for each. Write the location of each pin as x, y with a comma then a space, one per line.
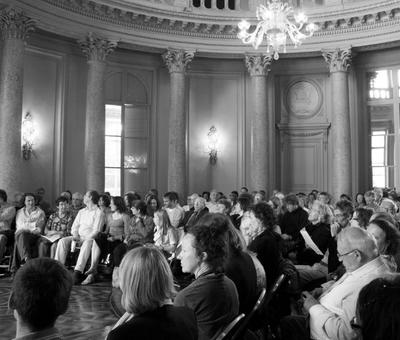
264, 241
212, 296
388, 241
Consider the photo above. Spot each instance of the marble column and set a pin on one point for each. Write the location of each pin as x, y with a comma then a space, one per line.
96, 50
15, 27
339, 62
177, 62
257, 65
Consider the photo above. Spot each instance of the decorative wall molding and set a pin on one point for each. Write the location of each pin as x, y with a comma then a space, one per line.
159, 24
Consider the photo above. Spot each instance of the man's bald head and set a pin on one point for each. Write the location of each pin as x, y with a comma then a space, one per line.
359, 245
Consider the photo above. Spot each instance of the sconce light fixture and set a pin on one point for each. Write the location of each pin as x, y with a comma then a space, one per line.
28, 134
212, 137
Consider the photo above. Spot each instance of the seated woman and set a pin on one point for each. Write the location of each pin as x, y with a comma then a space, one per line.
212, 296
153, 204
388, 241
139, 230
104, 205
377, 314
240, 266
264, 241
165, 237
116, 222
147, 291
318, 228
30, 221
361, 217
58, 225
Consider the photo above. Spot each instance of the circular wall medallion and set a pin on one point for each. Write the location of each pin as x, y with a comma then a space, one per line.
303, 98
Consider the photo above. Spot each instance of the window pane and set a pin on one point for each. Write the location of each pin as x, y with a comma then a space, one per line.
136, 122
136, 179
135, 153
113, 152
113, 120
113, 181
378, 156
378, 141
380, 84
378, 171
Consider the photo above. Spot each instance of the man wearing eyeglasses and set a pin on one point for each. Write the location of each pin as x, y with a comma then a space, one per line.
331, 308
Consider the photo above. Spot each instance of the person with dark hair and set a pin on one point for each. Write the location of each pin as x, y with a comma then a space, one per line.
114, 234
41, 203
264, 241
377, 314
39, 295
359, 201
206, 195
130, 197
86, 226
293, 220
361, 217
244, 202
58, 226
212, 296
239, 266
153, 205
147, 291
344, 197
235, 207
388, 241
104, 204
30, 221
7, 214
244, 190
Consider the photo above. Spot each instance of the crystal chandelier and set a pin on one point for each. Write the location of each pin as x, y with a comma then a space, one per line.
276, 23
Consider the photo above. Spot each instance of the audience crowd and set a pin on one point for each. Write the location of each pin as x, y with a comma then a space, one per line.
187, 271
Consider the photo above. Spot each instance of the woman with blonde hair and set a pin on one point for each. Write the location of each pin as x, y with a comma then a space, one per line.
147, 291
165, 237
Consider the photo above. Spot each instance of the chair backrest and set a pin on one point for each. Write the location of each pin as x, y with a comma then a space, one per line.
261, 304
227, 331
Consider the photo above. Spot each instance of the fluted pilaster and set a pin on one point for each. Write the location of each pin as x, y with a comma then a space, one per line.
258, 68
15, 27
339, 61
96, 50
177, 62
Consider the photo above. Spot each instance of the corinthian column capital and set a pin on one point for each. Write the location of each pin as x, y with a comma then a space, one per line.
14, 24
96, 48
258, 64
177, 60
339, 60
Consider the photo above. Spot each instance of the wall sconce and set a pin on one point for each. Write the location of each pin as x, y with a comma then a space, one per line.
212, 137
28, 134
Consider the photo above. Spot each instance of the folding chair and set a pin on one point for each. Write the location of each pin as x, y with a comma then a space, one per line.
229, 329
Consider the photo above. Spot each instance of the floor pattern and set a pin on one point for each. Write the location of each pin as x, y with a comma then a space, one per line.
88, 314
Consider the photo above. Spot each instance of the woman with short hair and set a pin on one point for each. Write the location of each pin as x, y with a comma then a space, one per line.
212, 296
147, 291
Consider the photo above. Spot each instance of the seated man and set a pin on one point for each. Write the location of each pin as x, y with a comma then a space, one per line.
200, 210
76, 203
7, 214
30, 221
39, 295
333, 307
174, 210
85, 228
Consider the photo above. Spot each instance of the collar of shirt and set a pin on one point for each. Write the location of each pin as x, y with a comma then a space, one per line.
46, 334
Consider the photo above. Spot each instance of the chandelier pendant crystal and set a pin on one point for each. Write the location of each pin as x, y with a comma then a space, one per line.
276, 23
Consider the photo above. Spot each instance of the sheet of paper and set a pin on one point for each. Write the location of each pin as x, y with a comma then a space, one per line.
52, 238
309, 242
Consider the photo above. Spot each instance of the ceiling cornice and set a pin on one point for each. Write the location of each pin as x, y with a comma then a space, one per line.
150, 25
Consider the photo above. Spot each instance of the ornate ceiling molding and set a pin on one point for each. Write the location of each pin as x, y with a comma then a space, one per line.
151, 24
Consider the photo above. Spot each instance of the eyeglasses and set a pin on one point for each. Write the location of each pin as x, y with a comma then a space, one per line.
348, 253
354, 323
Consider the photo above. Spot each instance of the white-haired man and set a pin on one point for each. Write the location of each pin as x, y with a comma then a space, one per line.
332, 307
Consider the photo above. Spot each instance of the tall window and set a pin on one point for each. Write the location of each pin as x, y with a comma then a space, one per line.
383, 110
126, 148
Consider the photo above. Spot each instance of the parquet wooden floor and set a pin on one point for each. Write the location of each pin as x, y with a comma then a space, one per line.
88, 314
